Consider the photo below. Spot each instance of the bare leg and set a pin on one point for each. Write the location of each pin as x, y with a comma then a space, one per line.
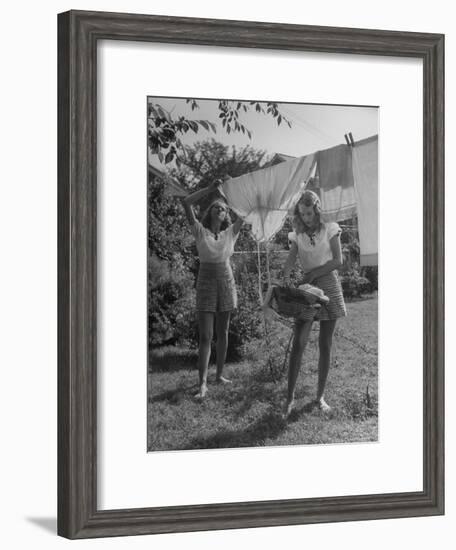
222, 325
301, 336
205, 324
325, 342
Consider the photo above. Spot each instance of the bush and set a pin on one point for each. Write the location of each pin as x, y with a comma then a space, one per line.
246, 320
171, 304
354, 285
371, 273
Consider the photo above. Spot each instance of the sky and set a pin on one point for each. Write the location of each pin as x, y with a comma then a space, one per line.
314, 127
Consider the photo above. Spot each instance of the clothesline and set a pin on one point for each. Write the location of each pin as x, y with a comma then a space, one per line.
348, 186
256, 251
269, 209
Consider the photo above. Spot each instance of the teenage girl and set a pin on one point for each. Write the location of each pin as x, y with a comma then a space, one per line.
317, 245
216, 295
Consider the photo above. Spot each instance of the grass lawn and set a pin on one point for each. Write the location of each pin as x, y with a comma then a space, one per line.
248, 412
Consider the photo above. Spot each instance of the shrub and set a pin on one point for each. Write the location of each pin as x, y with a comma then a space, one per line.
371, 273
171, 303
246, 320
354, 285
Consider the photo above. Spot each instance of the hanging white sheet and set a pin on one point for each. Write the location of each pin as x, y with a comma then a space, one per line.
264, 198
365, 173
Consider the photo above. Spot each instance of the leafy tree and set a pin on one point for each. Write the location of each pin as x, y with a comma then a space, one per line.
168, 233
165, 131
209, 160
171, 267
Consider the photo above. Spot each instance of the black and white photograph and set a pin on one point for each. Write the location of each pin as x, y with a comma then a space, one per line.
262, 273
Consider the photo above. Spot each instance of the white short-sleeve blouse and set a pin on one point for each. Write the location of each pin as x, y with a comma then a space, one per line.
315, 252
210, 249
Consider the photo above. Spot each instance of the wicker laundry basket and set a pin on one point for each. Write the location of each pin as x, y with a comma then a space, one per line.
297, 303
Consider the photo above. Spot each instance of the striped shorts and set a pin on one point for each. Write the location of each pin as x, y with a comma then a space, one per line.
215, 288
335, 308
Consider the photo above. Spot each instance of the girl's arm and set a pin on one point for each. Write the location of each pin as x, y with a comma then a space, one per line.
290, 262
189, 212
239, 222
189, 200
329, 266
237, 225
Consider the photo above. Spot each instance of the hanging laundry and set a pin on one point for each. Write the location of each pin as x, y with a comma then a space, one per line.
365, 172
337, 193
265, 197
347, 185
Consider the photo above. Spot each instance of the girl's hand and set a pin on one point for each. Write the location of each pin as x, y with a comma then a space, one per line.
286, 282
217, 187
219, 184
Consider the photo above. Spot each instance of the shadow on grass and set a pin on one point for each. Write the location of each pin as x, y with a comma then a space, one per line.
171, 359
243, 400
353, 408
271, 393
176, 395
309, 408
269, 426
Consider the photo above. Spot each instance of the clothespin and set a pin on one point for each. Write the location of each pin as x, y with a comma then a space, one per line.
349, 139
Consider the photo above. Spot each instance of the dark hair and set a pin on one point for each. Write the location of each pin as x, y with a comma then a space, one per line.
206, 217
308, 198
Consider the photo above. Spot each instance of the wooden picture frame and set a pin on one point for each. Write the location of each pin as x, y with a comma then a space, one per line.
78, 33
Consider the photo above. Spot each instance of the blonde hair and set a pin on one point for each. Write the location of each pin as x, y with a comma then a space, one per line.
308, 198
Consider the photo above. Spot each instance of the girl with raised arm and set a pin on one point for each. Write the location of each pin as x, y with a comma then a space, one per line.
216, 295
